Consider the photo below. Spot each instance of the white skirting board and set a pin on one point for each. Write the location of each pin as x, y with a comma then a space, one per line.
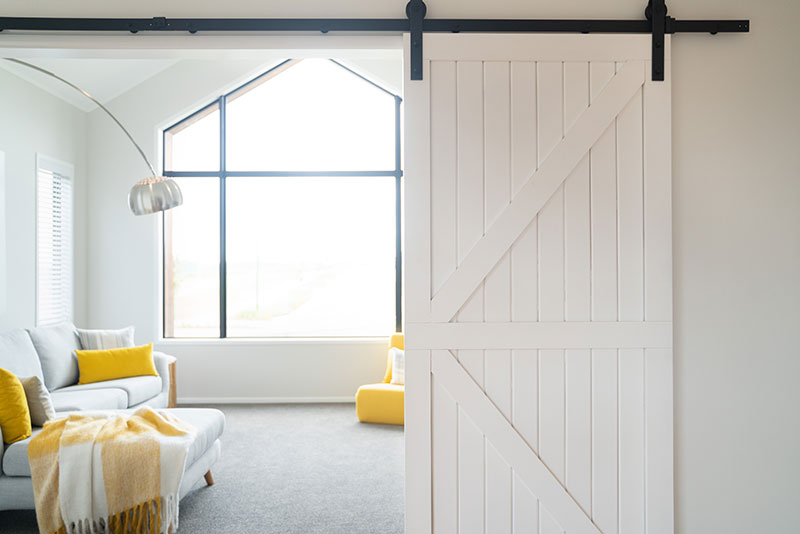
265, 400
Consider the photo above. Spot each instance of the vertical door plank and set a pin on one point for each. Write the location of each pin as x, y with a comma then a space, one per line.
551, 219
418, 441
523, 123
524, 280
579, 427
443, 171
526, 509
658, 300
603, 209
658, 199
470, 208
497, 138
631, 441
630, 226
604, 440
498, 492
576, 202
470, 476
444, 431
418, 475
497, 180
604, 227
469, 104
524, 260
470, 203
551, 408
497, 286
551, 259
658, 441
417, 208
577, 245
525, 389
550, 108
577, 296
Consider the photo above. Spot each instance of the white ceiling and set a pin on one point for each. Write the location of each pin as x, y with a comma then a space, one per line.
104, 79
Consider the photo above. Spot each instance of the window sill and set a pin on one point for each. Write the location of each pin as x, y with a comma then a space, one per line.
167, 342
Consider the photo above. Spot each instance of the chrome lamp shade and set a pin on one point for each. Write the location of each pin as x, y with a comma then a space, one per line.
151, 195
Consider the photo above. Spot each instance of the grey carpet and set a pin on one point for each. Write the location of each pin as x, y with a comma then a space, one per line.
301, 468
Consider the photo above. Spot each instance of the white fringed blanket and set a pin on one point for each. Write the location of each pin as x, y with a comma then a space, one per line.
109, 473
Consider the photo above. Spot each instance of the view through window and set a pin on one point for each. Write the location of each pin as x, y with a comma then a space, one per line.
289, 226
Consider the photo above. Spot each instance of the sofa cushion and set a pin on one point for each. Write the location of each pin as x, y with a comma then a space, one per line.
113, 364
97, 399
39, 404
15, 418
106, 339
208, 422
15, 460
137, 388
55, 345
18, 355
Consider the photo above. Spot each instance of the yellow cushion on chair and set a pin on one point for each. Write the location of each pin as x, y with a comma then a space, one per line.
381, 403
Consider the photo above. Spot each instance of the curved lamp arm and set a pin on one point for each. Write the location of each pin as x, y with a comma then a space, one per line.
93, 99
149, 195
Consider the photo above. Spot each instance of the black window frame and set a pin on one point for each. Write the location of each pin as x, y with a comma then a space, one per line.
223, 173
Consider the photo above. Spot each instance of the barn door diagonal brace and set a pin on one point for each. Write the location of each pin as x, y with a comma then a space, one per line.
656, 23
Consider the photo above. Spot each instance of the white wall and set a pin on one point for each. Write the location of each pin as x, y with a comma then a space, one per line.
32, 121
736, 139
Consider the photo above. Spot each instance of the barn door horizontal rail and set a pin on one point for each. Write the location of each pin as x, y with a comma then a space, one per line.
656, 22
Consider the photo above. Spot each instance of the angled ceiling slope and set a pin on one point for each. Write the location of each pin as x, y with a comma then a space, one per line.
104, 79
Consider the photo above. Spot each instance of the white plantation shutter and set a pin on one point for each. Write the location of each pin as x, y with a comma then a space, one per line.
53, 242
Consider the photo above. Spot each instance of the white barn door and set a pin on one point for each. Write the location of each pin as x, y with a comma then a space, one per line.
539, 287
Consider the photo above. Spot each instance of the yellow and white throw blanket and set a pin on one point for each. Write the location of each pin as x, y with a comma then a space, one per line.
109, 473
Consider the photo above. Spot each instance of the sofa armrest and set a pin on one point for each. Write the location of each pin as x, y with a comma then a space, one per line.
162, 362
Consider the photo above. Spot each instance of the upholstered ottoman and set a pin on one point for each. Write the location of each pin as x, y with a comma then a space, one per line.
16, 487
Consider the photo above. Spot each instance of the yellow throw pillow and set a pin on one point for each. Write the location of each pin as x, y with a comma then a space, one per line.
15, 419
102, 365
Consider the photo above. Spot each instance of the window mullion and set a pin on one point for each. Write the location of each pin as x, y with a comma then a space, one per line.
398, 318
223, 266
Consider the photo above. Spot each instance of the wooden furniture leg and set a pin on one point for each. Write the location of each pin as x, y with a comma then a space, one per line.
209, 478
173, 390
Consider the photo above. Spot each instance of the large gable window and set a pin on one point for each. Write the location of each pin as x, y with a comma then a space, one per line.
290, 220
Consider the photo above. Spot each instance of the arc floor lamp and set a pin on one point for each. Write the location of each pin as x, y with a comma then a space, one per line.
149, 195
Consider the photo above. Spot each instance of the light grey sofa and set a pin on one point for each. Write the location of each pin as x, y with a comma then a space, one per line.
47, 352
